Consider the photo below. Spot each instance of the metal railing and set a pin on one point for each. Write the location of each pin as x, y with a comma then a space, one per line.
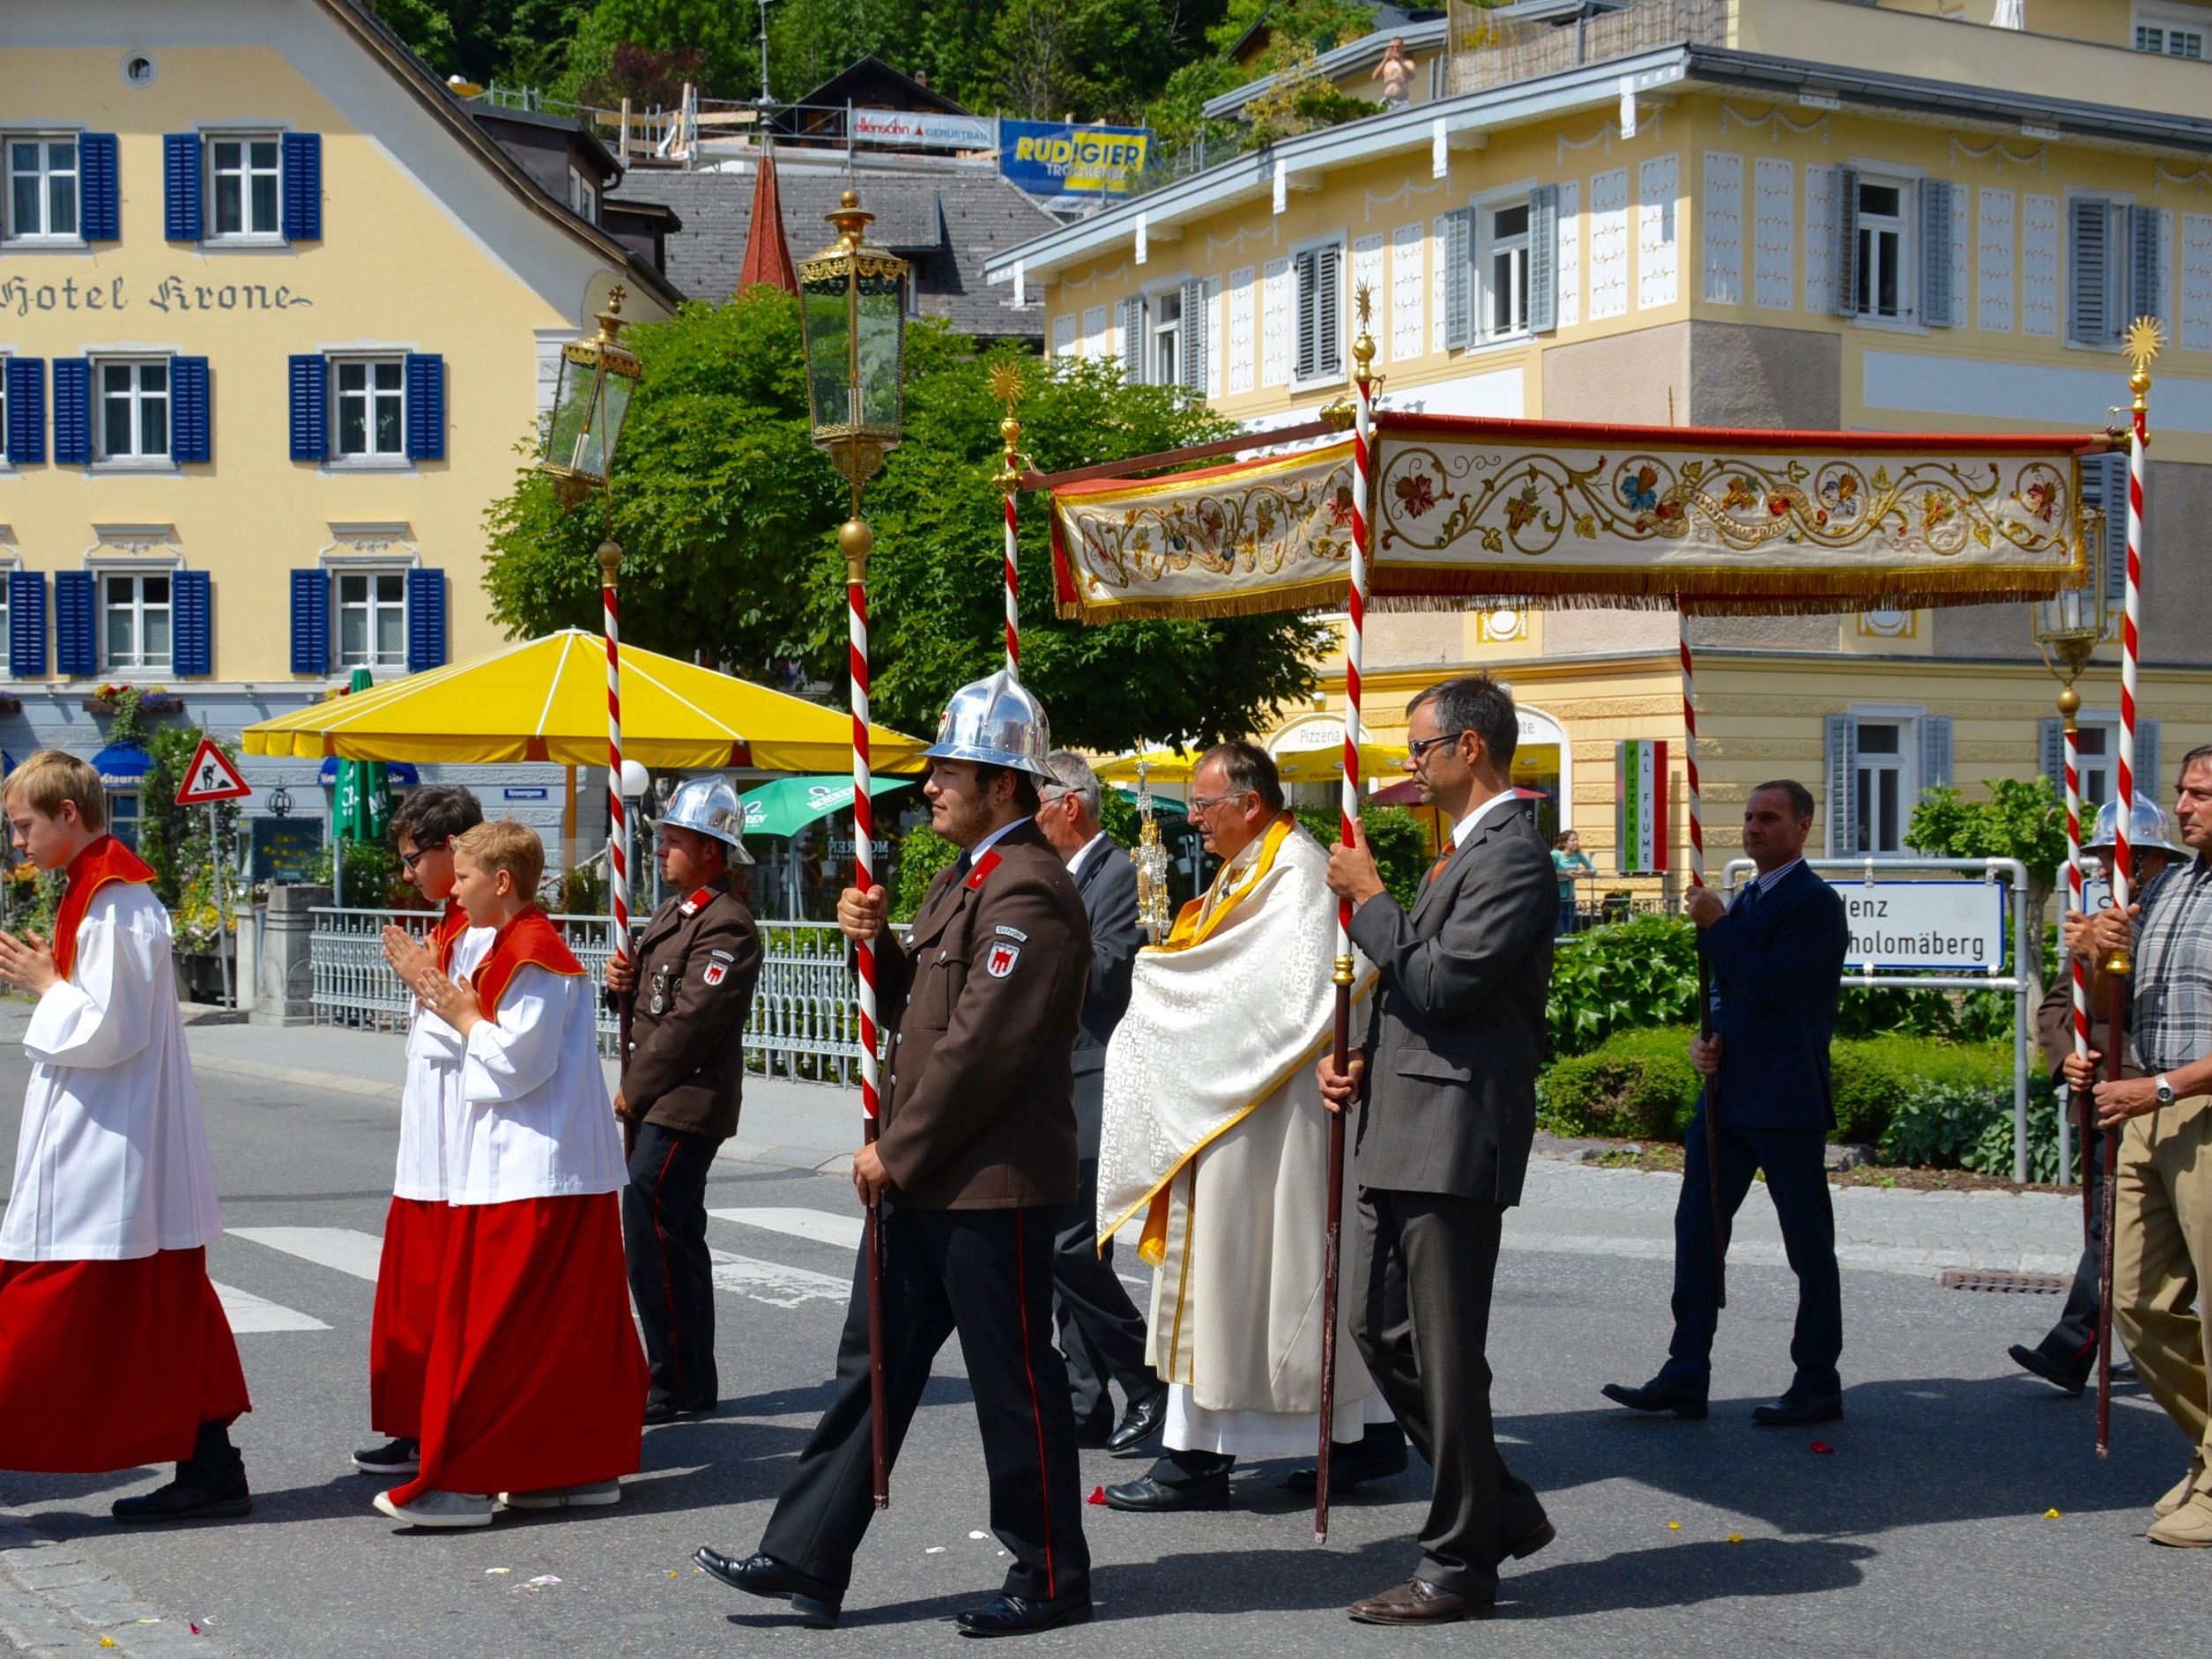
1489, 51
804, 1024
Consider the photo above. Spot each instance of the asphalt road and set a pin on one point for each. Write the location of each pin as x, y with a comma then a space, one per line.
1924, 1531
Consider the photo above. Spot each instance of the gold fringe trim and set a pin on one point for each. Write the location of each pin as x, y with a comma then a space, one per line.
1326, 591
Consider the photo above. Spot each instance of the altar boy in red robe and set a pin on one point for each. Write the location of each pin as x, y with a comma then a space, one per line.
534, 1386
114, 1348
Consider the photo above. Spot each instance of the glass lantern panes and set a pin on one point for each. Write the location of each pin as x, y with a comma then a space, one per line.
590, 404
854, 315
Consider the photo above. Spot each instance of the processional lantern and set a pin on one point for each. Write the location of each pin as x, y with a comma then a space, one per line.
591, 403
852, 312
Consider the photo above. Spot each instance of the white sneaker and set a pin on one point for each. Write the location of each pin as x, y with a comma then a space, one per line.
592, 1495
439, 1509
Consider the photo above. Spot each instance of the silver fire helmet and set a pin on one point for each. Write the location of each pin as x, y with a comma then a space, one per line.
994, 722
2148, 829
710, 806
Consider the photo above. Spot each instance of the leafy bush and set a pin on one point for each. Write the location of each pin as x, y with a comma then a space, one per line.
1874, 1077
1953, 1125
1394, 835
1624, 977
1992, 1152
373, 881
1636, 1084
923, 852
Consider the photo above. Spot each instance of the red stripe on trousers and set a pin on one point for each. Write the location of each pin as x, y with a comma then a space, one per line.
1036, 1412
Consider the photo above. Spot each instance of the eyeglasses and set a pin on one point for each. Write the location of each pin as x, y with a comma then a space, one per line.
408, 861
1207, 802
1417, 747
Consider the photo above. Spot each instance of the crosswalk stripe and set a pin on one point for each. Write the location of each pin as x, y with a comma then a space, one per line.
250, 1314
342, 1249
822, 1227
773, 1282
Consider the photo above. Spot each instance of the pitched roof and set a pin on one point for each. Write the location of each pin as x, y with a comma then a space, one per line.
949, 220
869, 76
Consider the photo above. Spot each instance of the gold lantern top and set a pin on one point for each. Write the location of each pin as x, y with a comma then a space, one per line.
853, 309
2070, 624
591, 403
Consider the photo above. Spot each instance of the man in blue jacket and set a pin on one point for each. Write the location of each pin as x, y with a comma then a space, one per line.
1776, 957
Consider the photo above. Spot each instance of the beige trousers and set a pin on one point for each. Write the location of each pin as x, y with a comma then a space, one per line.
2162, 1259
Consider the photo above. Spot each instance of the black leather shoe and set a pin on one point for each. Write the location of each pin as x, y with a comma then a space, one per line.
1151, 1495
1798, 1411
1140, 1423
815, 1602
1095, 1431
1349, 1467
178, 1501
1526, 1543
2062, 1377
1658, 1394
1017, 1615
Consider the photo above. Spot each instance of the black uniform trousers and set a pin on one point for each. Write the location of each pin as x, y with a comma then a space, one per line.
1101, 1333
672, 1274
1794, 1162
2073, 1340
986, 1274
1423, 1264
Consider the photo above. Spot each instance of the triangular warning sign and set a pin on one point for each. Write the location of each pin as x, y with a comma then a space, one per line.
212, 776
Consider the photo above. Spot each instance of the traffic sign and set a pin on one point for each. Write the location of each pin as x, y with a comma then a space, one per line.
212, 776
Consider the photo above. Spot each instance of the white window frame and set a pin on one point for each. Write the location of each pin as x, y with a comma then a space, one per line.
1907, 185
1488, 246
583, 194
2166, 23
1159, 327
1905, 765
40, 236
8, 567
370, 458
248, 234
136, 572
2105, 766
1342, 372
133, 458
371, 572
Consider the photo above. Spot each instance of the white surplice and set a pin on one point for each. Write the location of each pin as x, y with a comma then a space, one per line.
433, 1119
111, 1163
540, 1124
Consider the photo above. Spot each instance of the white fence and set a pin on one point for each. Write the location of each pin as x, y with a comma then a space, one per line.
804, 1024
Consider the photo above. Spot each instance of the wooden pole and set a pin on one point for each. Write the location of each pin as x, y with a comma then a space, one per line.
1711, 1114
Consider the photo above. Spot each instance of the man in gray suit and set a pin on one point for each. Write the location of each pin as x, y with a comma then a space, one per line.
1446, 1081
1101, 1333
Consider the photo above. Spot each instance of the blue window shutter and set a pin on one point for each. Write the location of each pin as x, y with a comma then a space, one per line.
1935, 751
1936, 299
75, 640
72, 411
1847, 241
426, 406
181, 186
1840, 808
26, 624
425, 619
2051, 755
193, 641
27, 410
1543, 259
192, 436
303, 187
99, 215
311, 622
1458, 278
310, 380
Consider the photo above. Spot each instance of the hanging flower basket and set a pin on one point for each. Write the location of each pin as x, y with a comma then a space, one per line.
105, 701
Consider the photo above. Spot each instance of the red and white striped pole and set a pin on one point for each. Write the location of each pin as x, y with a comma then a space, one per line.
2077, 969
618, 847
1348, 815
1711, 1110
1006, 385
1014, 594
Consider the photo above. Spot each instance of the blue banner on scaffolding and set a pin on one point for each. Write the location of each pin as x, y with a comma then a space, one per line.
1053, 158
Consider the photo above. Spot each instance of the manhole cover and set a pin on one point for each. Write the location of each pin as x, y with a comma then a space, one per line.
2012, 1284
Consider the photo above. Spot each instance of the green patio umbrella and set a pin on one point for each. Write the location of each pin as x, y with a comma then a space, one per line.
363, 803
788, 805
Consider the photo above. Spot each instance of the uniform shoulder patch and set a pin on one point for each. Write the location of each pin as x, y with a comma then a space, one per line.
716, 972
698, 902
999, 959
1003, 931
984, 865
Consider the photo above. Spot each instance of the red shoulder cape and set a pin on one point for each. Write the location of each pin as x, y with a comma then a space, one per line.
106, 859
452, 926
530, 939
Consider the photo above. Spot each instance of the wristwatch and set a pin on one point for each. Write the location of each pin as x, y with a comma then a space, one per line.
2165, 1090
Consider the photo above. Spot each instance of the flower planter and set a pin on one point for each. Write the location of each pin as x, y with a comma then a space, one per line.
155, 704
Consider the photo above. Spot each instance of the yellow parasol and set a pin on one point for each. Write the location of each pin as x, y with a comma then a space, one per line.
545, 699
1299, 766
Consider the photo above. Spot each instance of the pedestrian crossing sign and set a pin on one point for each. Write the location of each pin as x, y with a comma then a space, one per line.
212, 776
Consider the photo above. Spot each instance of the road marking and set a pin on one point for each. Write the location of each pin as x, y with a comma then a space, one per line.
342, 1249
250, 1315
822, 1227
773, 1282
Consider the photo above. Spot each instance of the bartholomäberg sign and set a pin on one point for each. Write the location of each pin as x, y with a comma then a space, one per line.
1050, 158
1928, 926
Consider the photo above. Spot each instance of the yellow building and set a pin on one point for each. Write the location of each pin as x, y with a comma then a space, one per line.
1806, 214
276, 313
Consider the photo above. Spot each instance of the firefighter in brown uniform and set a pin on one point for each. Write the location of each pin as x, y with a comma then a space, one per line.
975, 1158
695, 968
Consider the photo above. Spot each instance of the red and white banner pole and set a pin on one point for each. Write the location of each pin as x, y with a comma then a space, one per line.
1013, 593
1711, 1109
2077, 969
1689, 751
1006, 385
618, 846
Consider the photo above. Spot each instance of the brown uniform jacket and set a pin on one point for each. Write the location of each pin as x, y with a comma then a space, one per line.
697, 963
980, 1006
2054, 1030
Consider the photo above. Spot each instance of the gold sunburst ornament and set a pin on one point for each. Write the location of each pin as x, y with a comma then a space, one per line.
1003, 383
2146, 339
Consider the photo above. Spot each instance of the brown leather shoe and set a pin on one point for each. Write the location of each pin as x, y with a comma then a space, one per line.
1417, 1602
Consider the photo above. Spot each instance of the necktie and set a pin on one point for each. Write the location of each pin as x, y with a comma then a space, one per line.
1443, 858
1747, 900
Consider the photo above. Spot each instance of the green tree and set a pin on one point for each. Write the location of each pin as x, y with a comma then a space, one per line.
723, 37
727, 517
523, 42
2021, 818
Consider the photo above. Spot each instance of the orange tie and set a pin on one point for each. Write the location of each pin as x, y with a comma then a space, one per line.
1436, 868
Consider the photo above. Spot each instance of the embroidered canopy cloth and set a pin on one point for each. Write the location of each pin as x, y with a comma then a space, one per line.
1712, 519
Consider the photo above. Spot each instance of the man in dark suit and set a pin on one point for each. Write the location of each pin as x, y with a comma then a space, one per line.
974, 1165
1101, 1333
1776, 957
1446, 1081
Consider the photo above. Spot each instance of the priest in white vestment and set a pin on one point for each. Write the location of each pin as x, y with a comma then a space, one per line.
1215, 1143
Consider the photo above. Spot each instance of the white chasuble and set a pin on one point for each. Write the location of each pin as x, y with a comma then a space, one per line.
1214, 1136
111, 1162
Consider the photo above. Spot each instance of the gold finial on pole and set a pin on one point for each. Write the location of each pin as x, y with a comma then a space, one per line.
2146, 337
1363, 346
1005, 384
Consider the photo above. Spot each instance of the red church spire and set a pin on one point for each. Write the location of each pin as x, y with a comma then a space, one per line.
766, 259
